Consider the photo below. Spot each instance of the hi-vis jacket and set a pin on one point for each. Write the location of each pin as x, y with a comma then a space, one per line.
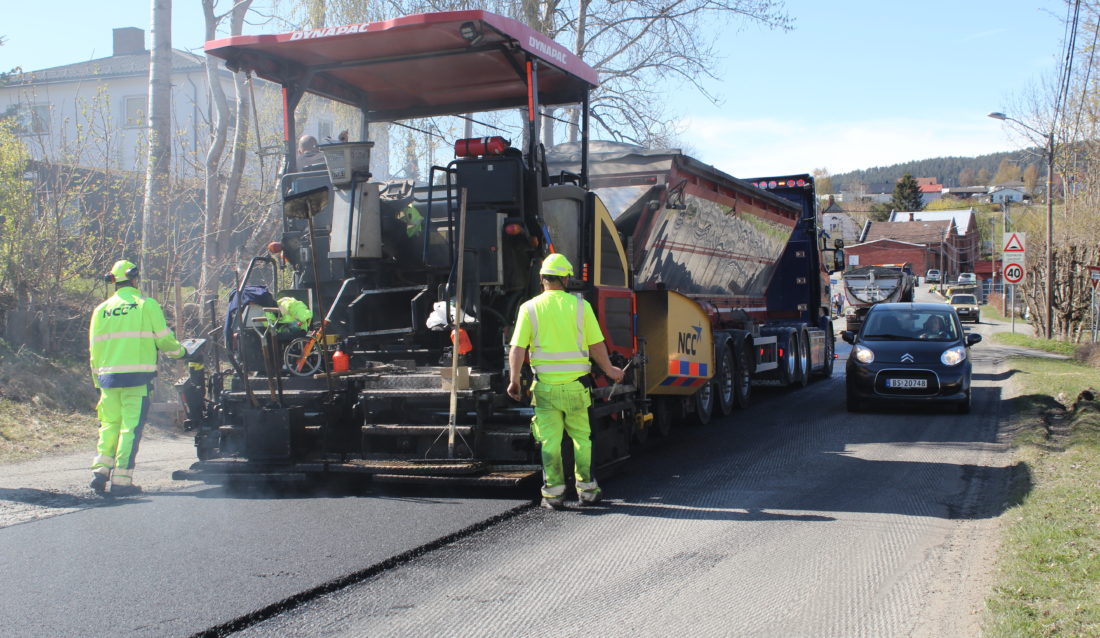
123, 339
558, 327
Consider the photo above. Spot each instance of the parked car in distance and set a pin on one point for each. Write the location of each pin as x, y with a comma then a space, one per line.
968, 278
932, 276
909, 353
966, 306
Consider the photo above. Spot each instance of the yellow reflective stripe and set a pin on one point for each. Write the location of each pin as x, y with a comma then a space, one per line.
137, 367
162, 333
533, 318
580, 325
562, 367
134, 334
557, 356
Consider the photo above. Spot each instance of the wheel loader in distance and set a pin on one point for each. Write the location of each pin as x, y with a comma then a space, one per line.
704, 285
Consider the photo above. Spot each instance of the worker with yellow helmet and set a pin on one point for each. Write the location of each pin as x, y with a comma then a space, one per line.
125, 334
562, 334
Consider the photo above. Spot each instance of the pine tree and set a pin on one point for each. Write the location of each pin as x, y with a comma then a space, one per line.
906, 195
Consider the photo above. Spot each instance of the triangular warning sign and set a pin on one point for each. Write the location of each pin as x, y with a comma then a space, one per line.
1014, 245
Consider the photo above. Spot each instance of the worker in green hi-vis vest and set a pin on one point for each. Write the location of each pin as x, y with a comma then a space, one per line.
125, 334
562, 333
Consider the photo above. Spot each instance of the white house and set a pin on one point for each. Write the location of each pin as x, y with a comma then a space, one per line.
1002, 194
93, 114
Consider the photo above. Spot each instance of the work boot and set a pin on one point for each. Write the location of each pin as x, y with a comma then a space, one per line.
590, 498
552, 503
99, 483
125, 490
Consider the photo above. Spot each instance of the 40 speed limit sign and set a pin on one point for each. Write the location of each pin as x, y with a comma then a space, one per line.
1013, 269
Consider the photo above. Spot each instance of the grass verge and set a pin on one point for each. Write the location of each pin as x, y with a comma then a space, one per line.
1037, 343
29, 431
1048, 581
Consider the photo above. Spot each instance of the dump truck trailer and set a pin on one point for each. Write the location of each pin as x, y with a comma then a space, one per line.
703, 285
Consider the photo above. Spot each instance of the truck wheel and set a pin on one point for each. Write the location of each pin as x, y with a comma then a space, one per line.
662, 417
788, 363
804, 361
830, 352
703, 402
742, 378
724, 374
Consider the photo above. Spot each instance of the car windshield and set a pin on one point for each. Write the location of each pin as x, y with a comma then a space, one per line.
907, 325
964, 299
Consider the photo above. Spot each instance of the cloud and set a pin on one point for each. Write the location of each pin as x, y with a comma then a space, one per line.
757, 147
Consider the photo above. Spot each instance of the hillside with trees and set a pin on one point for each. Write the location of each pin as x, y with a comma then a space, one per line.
949, 171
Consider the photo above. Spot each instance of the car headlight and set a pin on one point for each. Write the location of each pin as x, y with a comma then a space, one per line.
953, 356
864, 354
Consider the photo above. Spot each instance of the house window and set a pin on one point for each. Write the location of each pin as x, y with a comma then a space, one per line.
34, 119
324, 131
133, 111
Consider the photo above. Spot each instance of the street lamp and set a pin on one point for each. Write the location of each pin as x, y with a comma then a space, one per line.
1050, 216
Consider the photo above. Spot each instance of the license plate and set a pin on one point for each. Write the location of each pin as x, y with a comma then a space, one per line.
907, 383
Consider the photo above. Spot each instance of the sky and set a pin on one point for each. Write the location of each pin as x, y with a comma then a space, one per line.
855, 84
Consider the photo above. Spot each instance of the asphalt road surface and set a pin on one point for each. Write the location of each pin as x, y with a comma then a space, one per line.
792, 518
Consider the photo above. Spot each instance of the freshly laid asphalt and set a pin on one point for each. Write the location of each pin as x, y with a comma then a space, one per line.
178, 563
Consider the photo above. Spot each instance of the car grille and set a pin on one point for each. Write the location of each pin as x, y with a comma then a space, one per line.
931, 378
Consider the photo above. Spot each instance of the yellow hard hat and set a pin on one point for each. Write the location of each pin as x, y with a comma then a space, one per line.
557, 265
123, 270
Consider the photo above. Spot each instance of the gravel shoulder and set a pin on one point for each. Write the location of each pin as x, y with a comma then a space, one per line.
56, 485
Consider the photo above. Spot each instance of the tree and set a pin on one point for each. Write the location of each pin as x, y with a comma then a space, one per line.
154, 213
966, 177
983, 177
823, 181
221, 208
906, 195
1031, 178
1008, 171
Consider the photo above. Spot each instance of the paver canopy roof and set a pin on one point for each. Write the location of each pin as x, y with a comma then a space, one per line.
415, 66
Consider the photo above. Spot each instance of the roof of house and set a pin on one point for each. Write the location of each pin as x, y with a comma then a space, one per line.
961, 216
1005, 187
967, 189
883, 240
917, 232
115, 66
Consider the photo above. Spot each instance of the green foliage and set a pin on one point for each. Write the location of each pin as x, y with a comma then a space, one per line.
949, 171
1047, 345
15, 201
906, 195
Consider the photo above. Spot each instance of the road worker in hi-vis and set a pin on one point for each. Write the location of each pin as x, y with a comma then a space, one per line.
125, 334
562, 333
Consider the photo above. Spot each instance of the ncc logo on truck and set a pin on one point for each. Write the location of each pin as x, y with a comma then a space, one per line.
686, 341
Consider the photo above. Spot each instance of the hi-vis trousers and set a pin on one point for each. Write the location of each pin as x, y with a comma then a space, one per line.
563, 408
122, 416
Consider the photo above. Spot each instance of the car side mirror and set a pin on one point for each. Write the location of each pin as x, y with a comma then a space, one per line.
850, 337
972, 338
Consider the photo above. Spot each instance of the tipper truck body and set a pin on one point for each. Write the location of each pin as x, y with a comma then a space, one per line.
703, 285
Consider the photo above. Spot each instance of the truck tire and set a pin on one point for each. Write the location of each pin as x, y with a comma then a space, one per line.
724, 381
703, 402
742, 376
805, 361
830, 352
788, 363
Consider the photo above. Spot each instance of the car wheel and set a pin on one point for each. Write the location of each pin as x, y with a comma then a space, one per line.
963, 406
977, 318
853, 402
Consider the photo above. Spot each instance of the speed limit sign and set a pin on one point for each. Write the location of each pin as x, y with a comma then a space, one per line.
1013, 272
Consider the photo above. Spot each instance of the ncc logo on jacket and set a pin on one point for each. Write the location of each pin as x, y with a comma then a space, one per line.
119, 311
